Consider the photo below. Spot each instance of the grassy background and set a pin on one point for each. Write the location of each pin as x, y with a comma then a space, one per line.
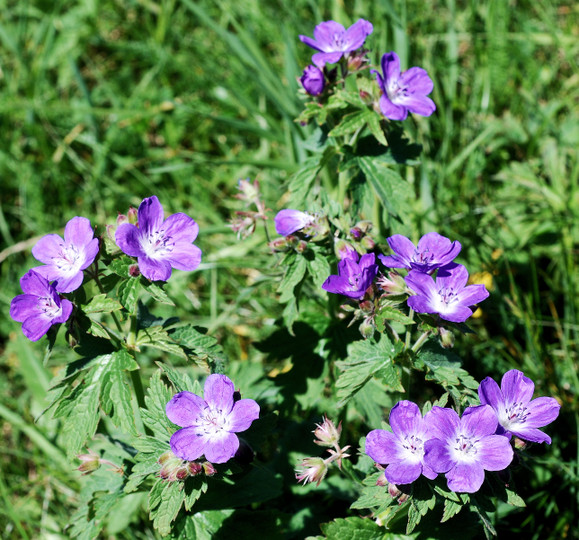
104, 102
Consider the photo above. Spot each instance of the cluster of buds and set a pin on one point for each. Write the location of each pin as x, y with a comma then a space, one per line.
360, 234
91, 462
314, 469
245, 221
130, 217
174, 469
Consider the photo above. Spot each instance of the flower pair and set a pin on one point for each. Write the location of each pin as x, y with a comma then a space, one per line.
65, 260
449, 296
464, 447
401, 92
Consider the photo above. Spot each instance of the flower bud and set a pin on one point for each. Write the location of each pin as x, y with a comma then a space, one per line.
327, 434
382, 480
342, 248
302, 246
208, 468
368, 243
121, 218
279, 244
132, 216
312, 80
394, 284
311, 469
134, 270
182, 472
367, 306
90, 463
446, 338
367, 328
195, 468
248, 191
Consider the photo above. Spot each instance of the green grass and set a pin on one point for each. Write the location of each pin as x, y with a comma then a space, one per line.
106, 102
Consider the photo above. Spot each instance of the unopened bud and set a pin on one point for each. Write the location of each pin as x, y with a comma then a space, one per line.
356, 233
208, 468
446, 338
182, 473
134, 270
311, 469
132, 216
393, 284
90, 463
367, 328
368, 243
121, 218
382, 480
195, 468
327, 434
367, 306
279, 244
301, 246
343, 249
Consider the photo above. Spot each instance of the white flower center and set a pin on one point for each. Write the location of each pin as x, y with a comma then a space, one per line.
396, 92
464, 448
70, 259
157, 244
213, 421
447, 296
49, 308
422, 257
513, 414
413, 447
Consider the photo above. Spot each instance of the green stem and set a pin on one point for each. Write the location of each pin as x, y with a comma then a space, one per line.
421, 340
408, 330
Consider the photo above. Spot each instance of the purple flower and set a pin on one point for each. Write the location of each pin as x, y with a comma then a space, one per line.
433, 251
289, 221
39, 307
449, 296
463, 448
66, 259
517, 413
403, 92
333, 40
353, 277
210, 423
159, 244
403, 448
312, 80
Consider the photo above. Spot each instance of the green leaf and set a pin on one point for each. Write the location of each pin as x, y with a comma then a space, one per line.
156, 292
165, 500
101, 303
128, 292
349, 124
389, 313
352, 528
444, 367
451, 508
158, 338
295, 272
300, 184
514, 499
366, 358
154, 416
116, 395
392, 190
421, 502
318, 268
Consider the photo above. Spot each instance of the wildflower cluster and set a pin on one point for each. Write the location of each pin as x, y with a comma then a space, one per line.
400, 93
158, 244
462, 448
